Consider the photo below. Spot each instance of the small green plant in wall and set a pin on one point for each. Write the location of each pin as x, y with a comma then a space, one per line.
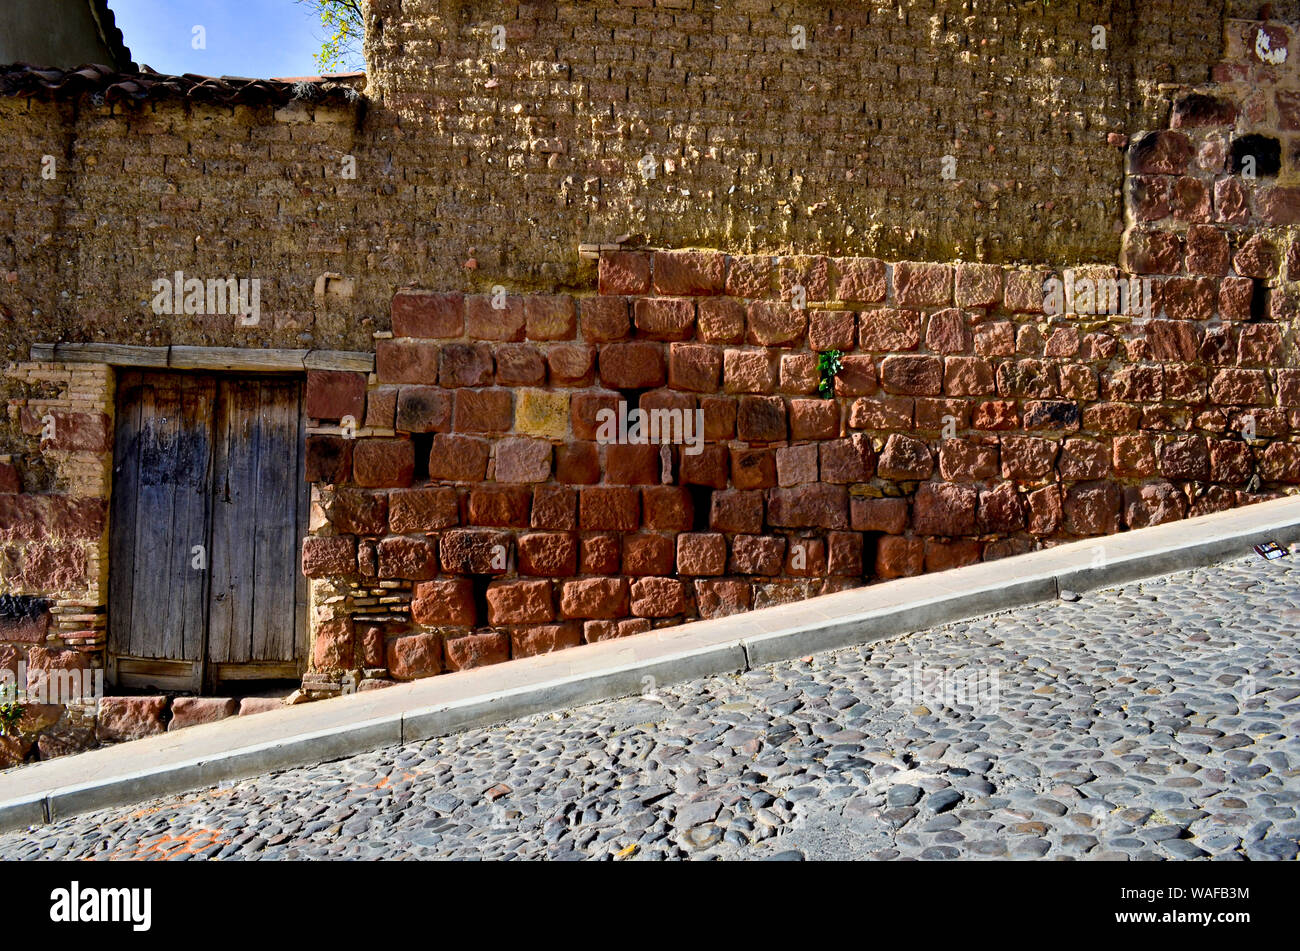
828, 365
11, 710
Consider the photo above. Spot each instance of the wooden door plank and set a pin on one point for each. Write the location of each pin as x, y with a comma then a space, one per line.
187, 454
220, 588
192, 476
175, 563
227, 673
153, 596
234, 358
110, 353
154, 674
221, 602
125, 486
275, 516
233, 539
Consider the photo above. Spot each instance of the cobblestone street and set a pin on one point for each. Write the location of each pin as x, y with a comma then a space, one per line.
1154, 721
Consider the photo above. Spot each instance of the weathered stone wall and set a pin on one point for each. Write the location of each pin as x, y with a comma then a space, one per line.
54, 553
53, 545
966, 423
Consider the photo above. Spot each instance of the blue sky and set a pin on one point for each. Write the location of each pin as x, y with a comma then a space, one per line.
254, 38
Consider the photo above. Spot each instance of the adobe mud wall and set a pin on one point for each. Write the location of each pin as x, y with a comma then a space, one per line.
476, 166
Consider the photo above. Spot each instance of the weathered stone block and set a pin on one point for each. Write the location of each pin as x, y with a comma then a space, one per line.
448, 601
130, 718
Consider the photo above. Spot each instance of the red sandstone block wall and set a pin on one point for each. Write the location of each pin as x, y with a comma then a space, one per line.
966, 424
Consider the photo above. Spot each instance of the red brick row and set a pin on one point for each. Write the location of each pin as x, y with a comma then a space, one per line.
716, 574
411, 655
1234, 369
666, 358
745, 535
858, 280
1128, 444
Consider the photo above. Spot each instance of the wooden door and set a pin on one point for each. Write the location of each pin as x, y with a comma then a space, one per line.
162, 478
254, 599
207, 511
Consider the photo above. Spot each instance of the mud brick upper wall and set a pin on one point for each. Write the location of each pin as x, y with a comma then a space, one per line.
476, 167
759, 146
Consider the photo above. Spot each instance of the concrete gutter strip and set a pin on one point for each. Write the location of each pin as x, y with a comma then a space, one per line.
241, 747
1217, 543
246, 759
892, 621
21, 813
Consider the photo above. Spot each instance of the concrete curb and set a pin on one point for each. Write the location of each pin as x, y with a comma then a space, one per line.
241, 747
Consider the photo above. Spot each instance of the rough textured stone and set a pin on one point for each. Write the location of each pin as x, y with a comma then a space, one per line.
1092, 508
519, 602
414, 559
130, 718
944, 509
189, 711
476, 650
544, 638
446, 601
333, 394
383, 463
415, 656
658, 597
594, 598
422, 510
905, 458
474, 551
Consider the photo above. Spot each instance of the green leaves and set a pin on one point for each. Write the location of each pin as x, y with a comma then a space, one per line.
828, 365
345, 29
11, 711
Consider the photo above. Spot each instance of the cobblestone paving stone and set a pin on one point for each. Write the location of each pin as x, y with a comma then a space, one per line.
1155, 721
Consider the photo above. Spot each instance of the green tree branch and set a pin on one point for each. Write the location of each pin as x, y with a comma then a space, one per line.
345, 30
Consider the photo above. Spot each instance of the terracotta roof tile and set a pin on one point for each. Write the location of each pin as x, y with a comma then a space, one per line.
23, 80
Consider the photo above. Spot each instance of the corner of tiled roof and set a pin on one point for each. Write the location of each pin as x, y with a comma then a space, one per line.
104, 82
